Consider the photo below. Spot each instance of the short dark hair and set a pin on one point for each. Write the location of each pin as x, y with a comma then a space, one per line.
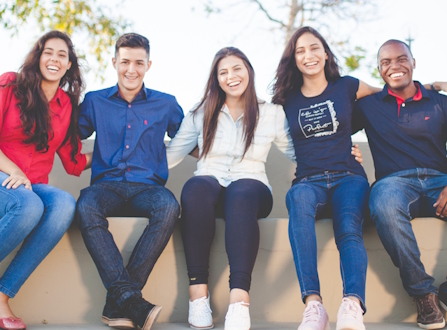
132, 40
394, 41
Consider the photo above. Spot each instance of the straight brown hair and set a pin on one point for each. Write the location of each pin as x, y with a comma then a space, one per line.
214, 99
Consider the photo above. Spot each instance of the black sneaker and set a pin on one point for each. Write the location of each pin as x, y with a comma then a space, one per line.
141, 312
442, 295
429, 313
113, 316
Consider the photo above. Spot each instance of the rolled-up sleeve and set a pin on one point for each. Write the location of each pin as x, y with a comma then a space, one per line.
71, 167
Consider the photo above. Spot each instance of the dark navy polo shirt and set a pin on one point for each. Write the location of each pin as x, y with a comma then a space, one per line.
416, 138
321, 129
129, 143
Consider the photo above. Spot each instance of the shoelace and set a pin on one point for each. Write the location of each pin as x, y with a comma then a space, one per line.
234, 314
197, 308
350, 309
426, 305
311, 313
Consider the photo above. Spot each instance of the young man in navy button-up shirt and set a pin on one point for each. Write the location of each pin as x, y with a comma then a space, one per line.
407, 132
129, 171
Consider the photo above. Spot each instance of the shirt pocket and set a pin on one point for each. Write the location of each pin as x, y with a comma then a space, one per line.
220, 144
260, 147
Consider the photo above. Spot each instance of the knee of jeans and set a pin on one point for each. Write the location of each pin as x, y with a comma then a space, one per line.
197, 190
168, 203
28, 210
85, 207
298, 198
65, 205
383, 203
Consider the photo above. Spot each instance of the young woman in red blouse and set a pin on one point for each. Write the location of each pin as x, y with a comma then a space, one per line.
38, 117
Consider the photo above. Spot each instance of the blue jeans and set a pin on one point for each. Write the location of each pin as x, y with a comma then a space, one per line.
120, 198
394, 201
39, 219
347, 196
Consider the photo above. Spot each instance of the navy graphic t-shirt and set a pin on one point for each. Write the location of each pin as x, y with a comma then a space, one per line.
321, 129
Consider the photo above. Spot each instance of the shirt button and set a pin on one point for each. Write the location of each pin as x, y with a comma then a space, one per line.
403, 104
127, 147
26, 170
128, 126
31, 155
128, 169
129, 106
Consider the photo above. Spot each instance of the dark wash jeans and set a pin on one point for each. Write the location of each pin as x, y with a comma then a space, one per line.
347, 195
121, 198
395, 200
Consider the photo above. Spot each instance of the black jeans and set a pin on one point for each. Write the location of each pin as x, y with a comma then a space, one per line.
242, 203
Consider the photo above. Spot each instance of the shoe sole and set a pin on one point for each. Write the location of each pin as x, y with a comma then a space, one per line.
201, 328
432, 326
119, 323
151, 317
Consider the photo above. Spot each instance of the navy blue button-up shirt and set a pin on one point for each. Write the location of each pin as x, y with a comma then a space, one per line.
414, 137
129, 142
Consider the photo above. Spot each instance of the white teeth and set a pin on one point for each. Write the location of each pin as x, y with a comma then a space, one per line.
396, 75
234, 84
311, 63
52, 68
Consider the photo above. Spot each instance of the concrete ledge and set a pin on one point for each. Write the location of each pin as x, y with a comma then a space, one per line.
66, 287
219, 326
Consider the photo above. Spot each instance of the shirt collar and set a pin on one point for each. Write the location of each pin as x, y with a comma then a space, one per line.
114, 91
57, 97
421, 93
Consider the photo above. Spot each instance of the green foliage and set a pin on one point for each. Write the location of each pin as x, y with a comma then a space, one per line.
75, 17
352, 62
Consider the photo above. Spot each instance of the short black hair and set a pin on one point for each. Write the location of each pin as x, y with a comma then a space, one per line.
394, 41
132, 40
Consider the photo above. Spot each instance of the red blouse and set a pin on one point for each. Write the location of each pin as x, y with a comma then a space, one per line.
36, 164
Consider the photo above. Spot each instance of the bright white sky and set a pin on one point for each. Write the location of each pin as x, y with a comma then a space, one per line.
184, 40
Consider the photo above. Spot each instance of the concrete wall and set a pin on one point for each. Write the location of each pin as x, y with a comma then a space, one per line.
66, 287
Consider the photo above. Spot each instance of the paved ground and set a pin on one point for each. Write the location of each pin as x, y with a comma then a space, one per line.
255, 326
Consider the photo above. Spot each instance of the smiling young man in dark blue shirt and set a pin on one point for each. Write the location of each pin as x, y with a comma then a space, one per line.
129, 171
407, 133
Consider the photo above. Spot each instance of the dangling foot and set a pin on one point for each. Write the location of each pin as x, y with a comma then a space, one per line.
314, 317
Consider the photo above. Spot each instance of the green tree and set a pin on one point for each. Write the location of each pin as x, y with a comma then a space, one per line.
325, 15
80, 18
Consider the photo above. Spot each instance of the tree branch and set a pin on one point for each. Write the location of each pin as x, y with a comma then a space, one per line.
261, 7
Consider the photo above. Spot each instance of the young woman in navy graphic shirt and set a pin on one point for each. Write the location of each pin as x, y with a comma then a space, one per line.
318, 103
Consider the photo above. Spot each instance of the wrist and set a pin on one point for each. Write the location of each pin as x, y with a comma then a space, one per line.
434, 86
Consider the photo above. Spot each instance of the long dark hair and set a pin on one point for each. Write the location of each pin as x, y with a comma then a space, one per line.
33, 104
214, 99
289, 78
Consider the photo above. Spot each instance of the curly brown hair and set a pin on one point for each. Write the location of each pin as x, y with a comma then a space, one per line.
33, 104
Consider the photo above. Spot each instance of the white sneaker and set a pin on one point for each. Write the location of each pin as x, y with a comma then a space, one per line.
314, 317
238, 317
350, 315
200, 313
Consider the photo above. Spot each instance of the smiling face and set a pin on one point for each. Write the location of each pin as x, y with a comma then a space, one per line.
233, 76
131, 64
54, 61
396, 66
310, 56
